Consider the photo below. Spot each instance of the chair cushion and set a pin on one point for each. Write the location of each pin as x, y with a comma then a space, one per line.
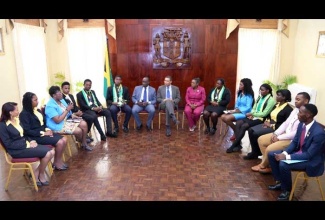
24, 160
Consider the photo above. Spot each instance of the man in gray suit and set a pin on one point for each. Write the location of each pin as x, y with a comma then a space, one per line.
144, 98
168, 96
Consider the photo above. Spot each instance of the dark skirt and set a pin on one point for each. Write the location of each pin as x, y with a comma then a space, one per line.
39, 151
47, 140
218, 109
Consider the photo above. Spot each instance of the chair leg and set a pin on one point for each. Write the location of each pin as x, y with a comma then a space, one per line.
8, 178
159, 115
177, 120
183, 117
320, 188
33, 176
50, 168
294, 185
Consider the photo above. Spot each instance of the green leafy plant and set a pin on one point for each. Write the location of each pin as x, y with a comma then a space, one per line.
59, 78
287, 80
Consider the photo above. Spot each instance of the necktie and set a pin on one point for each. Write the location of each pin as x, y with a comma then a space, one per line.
145, 94
168, 93
302, 138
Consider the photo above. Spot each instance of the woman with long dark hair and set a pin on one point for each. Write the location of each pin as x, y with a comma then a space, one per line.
261, 109
33, 123
244, 104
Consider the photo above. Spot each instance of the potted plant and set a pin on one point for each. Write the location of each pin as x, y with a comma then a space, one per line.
287, 80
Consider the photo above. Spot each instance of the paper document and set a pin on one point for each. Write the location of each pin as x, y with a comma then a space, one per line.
293, 161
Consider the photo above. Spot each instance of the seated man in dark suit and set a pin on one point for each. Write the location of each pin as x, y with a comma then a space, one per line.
117, 98
168, 97
89, 104
307, 147
89, 118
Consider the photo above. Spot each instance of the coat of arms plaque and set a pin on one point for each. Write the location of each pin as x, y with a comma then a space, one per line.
172, 48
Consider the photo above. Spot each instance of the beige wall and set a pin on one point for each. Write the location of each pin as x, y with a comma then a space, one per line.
56, 50
56, 58
8, 75
309, 69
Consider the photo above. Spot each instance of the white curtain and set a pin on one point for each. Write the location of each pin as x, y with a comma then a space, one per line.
258, 56
30, 54
87, 57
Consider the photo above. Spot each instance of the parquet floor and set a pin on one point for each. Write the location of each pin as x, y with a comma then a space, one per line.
148, 166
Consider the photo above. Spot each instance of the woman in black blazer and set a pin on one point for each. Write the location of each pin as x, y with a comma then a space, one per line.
279, 114
33, 122
20, 146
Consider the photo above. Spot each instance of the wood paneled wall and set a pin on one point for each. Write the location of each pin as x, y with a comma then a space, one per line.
212, 55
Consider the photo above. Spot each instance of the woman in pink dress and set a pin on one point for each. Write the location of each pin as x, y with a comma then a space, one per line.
195, 98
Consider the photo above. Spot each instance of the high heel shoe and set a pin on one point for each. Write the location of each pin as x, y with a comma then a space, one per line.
46, 183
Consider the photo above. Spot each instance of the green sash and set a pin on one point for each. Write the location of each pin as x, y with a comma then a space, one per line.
120, 92
261, 102
86, 97
219, 95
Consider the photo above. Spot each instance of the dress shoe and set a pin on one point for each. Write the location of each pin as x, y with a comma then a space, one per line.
207, 131
176, 122
212, 131
265, 170
112, 135
277, 186
250, 156
88, 141
88, 137
234, 149
46, 183
168, 132
63, 168
284, 196
149, 128
125, 129
139, 127
66, 165
103, 138
38, 183
256, 168
87, 148
192, 128
237, 148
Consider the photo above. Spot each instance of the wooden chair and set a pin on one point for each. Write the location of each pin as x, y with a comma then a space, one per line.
301, 174
120, 118
200, 121
163, 112
25, 164
143, 112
